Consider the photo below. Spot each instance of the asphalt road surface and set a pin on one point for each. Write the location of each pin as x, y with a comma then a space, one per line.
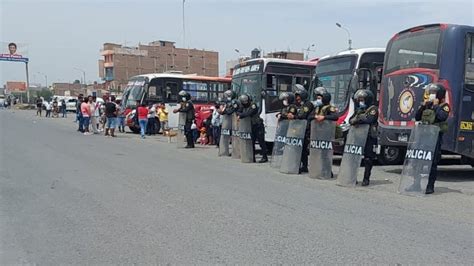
66, 198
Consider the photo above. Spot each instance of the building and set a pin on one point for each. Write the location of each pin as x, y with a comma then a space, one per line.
67, 89
119, 63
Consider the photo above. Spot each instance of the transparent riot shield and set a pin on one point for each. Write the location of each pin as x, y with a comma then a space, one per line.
291, 159
321, 149
353, 154
226, 131
235, 138
279, 143
246, 146
418, 160
181, 137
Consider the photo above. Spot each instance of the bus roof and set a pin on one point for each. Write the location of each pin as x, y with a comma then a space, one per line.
279, 61
182, 76
359, 52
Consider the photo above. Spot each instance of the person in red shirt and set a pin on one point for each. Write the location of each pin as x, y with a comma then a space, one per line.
142, 112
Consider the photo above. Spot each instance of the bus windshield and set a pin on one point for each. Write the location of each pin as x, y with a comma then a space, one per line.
335, 75
134, 93
417, 49
250, 84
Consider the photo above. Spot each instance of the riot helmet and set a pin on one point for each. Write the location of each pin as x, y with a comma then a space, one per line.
363, 98
324, 94
435, 91
230, 95
184, 96
300, 91
245, 99
287, 98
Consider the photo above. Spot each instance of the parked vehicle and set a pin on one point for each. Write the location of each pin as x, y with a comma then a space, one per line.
416, 57
164, 87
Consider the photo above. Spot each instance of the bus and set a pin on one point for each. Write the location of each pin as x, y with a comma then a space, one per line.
416, 57
164, 87
344, 73
265, 78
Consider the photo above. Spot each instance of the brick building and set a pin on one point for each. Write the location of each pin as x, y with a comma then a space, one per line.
119, 63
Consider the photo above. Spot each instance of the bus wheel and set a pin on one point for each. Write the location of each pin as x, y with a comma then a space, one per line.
135, 130
391, 155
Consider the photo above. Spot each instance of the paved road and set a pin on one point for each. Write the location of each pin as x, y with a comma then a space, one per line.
66, 198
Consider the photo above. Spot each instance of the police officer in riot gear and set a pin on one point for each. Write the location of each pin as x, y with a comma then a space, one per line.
186, 106
231, 103
289, 107
366, 113
323, 110
304, 108
250, 109
434, 111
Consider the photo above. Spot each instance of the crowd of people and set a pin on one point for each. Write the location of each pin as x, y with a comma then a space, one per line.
54, 107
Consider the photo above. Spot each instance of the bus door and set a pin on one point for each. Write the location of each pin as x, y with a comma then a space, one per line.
171, 87
271, 105
465, 136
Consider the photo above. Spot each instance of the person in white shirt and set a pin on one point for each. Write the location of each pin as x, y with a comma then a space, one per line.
95, 114
48, 107
151, 125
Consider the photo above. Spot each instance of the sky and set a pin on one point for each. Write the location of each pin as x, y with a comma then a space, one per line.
65, 35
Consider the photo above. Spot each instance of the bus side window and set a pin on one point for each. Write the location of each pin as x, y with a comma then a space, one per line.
171, 91
279, 84
305, 81
469, 68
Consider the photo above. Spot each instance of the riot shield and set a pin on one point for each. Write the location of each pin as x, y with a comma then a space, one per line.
235, 138
226, 131
418, 160
279, 143
246, 145
353, 154
321, 151
181, 137
291, 159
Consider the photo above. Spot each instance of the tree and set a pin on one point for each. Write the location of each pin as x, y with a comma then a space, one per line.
77, 81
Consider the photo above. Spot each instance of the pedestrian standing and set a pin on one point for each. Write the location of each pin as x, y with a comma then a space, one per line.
111, 115
94, 114
163, 117
48, 107
216, 124
121, 116
151, 124
39, 106
86, 115
79, 113
434, 111
142, 111
63, 108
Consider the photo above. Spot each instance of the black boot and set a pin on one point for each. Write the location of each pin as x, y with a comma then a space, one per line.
365, 182
429, 188
263, 160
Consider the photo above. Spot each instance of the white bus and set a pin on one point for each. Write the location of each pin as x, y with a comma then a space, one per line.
265, 78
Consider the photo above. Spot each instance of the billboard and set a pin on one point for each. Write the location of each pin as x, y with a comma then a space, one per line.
16, 86
13, 52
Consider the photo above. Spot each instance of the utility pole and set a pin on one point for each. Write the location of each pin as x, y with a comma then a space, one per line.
348, 34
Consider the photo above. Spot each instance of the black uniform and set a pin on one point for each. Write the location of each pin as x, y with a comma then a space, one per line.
287, 110
368, 116
258, 129
328, 111
188, 108
302, 113
439, 115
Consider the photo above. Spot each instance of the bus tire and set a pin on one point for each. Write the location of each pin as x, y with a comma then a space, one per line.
391, 155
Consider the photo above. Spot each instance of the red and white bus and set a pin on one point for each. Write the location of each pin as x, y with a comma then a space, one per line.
164, 87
